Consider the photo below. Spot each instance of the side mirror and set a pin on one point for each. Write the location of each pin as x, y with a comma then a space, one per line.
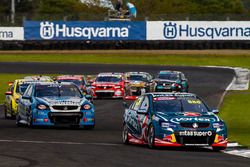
8, 93
142, 111
26, 97
125, 105
215, 111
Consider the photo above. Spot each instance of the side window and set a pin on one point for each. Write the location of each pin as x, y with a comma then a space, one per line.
28, 92
144, 105
182, 76
137, 103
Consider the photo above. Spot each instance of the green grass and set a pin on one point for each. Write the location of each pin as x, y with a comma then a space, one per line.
236, 113
184, 60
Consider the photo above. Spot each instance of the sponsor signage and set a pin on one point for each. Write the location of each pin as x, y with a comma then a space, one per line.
198, 30
82, 30
11, 33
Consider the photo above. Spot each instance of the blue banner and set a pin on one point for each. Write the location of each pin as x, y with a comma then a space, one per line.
82, 30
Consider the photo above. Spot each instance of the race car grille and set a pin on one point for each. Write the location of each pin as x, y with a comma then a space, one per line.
105, 87
190, 140
104, 94
164, 84
65, 118
65, 107
190, 125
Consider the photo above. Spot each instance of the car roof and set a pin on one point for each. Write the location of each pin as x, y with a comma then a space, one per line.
136, 73
53, 83
111, 74
169, 71
69, 77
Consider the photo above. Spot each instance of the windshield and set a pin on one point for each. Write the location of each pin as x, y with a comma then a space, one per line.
75, 81
109, 79
172, 104
137, 78
56, 90
21, 88
169, 76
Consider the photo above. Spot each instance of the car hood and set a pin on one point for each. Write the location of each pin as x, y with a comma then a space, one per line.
187, 117
50, 101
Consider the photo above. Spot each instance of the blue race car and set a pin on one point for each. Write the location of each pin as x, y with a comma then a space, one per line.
173, 120
49, 104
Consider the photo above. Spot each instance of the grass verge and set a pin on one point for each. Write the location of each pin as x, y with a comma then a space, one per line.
236, 113
116, 58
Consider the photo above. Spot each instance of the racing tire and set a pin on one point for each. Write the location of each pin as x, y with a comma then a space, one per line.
125, 134
30, 121
18, 118
151, 136
89, 127
5, 113
217, 149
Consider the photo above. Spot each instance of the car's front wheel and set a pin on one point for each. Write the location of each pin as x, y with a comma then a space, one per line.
30, 120
151, 136
18, 119
125, 134
218, 148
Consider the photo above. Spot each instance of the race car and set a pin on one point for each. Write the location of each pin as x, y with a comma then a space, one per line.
16, 89
80, 81
50, 104
173, 120
168, 81
137, 83
109, 85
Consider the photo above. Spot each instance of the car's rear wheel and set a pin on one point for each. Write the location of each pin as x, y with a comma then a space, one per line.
5, 113
125, 134
151, 136
218, 148
30, 120
18, 119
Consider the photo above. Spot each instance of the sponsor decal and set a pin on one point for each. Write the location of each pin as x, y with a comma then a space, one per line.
191, 119
49, 30
77, 30
198, 30
194, 114
164, 98
195, 133
11, 33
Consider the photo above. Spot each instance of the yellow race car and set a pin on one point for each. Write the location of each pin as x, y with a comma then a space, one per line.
15, 91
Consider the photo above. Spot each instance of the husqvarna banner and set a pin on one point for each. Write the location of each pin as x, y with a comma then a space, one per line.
198, 30
11, 33
82, 30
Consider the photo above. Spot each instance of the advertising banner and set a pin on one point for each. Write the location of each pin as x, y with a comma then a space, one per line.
198, 30
11, 33
84, 30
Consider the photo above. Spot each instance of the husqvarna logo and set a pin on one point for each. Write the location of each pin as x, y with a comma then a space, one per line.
47, 30
170, 30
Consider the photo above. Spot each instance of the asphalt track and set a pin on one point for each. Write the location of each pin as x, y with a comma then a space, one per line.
102, 146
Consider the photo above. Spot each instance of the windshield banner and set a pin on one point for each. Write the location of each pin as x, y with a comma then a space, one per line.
84, 30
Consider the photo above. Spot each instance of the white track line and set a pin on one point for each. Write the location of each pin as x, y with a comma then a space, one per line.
57, 142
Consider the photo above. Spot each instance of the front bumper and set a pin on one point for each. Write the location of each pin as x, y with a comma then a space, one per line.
48, 118
111, 93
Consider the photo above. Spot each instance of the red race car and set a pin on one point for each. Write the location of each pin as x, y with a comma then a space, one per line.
109, 85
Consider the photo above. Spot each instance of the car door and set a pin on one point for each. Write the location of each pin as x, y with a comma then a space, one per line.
142, 116
132, 117
25, 103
